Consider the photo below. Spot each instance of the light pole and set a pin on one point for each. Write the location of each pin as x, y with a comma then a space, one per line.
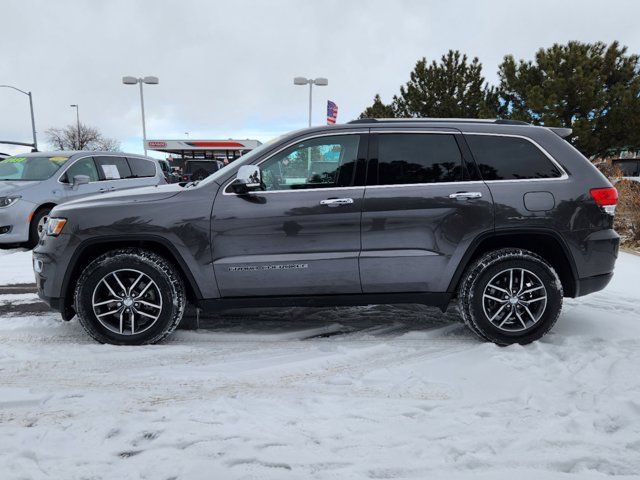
33, 121
140, 81
78, 123
320, 81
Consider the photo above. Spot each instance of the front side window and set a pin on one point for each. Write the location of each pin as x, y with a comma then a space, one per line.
141, 168
84, 166
408, 158
30, 168
510, 158
321, 162
113, 168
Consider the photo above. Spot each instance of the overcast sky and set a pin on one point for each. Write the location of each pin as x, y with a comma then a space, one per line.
226, 67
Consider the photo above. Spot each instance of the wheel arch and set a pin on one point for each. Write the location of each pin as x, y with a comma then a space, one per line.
40, 207
91, 249
546, 243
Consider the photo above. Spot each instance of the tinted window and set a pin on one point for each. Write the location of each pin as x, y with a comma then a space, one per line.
406, 158
141, 168
629, 168
316, 163
113, 168
510, 158
84, 166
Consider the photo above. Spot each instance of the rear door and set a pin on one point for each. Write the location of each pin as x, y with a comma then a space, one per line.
423, 206
301, 235
145, 171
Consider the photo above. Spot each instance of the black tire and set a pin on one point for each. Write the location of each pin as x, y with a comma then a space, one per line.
490, 266
169, 287
34, 233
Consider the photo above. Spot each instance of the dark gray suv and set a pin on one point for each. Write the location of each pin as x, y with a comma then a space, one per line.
505, 216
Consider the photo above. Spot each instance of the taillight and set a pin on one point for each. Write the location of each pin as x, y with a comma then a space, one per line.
607, 198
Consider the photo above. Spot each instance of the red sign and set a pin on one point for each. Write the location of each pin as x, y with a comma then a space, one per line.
155, 144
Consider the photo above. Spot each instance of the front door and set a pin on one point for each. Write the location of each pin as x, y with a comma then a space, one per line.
300, 235
84, 166
423, 206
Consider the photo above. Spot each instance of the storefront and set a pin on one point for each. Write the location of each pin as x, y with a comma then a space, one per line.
179, 151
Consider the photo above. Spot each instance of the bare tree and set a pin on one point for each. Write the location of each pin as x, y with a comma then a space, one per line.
87, 138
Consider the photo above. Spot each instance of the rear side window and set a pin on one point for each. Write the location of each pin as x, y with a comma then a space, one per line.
141, 168
406, 158
113, 168
510, 158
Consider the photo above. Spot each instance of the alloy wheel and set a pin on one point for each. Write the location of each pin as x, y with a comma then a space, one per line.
514, 300
127, 302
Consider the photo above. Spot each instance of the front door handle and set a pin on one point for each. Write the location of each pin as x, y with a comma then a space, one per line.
465, 195
336, 202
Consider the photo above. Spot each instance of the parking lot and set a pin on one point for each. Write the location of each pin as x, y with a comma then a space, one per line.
374, 392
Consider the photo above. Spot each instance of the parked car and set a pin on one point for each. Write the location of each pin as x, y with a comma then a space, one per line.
506, 217
196, 170
32, 184
630, 168
169, 175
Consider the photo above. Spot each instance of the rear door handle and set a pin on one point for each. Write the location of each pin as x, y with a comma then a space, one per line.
464, 195
336, 202
107, 189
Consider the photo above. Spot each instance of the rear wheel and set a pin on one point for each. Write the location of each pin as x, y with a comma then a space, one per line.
36, 227
129, 297
510, 296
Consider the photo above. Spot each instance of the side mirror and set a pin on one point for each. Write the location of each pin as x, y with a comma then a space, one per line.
249, 177
80, 180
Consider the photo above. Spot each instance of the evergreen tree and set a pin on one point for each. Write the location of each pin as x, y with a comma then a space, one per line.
592, 88
452, 88
378, 110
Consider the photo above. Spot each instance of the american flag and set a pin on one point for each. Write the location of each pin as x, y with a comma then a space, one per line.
332, 112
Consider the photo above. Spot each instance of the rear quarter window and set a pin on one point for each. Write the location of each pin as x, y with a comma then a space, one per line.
510, 158
141, 167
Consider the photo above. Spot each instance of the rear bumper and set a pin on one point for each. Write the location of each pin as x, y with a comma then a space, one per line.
589, 285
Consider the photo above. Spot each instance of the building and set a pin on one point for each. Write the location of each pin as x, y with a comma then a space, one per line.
179, 151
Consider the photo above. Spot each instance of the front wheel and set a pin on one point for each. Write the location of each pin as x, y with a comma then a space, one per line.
129, 297
510, 296
36, 227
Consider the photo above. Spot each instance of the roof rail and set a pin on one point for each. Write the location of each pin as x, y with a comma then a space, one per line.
499, 121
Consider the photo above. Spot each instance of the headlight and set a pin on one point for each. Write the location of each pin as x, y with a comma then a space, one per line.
54, 226
8, 201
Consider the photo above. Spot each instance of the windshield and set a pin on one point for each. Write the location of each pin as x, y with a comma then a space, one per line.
30, 168
246, 158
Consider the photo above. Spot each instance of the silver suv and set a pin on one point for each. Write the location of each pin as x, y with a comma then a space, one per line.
32, 184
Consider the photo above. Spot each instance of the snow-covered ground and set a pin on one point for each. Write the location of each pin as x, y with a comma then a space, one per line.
15, 267
378, 392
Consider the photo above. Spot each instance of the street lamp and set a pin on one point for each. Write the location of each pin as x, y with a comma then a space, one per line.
140, 81
320, 81
33, 122
78, 122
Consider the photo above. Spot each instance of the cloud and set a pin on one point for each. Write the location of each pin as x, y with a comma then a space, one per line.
226, 68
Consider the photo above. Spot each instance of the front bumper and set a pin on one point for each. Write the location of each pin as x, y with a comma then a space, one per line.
17, 218
51, 258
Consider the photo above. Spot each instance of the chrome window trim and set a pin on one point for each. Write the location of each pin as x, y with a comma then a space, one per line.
287, 145
563, 173
443, 131
74, 161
